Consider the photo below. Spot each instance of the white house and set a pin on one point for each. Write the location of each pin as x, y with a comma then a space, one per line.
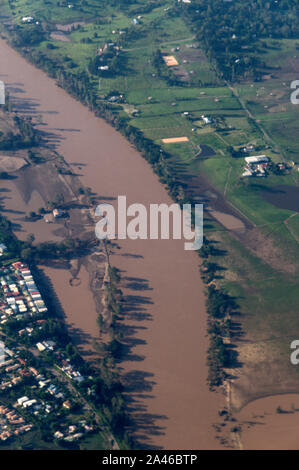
257, 159
29, 403
22, 400
40, 347
206, 120
58, 213
3, 248
27, 19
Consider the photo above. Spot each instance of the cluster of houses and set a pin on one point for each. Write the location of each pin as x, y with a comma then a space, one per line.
47, 386
31, 327
11, 424
41, 407
22, 300
256, 165
50, 388
34, 405
20, 296
74, 432
13, 370
69, 370
29, 20
48, 345
106, 52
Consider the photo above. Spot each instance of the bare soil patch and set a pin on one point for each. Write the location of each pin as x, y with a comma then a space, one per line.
59, 36
174, 140
170, 60
68, 27
263, 428
11, 164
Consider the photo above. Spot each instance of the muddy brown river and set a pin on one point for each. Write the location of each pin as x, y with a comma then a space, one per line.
164, 367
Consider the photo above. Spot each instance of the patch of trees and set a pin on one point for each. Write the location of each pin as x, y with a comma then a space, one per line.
27, 35
108, 388
66, 250
5, 176
220, 306
53, 329
26, 136
232, 32
235, 153
114, 59
8, 238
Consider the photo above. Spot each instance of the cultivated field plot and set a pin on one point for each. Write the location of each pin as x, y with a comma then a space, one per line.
170, 60
175, 140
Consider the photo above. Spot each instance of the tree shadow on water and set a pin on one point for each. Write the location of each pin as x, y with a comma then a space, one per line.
138, 384
143, 426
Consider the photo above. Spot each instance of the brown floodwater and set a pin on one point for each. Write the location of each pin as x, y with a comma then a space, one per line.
16, 208
283, 197
264, 428
77, 302
164, 366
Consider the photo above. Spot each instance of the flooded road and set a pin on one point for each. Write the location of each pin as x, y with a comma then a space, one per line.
164, 367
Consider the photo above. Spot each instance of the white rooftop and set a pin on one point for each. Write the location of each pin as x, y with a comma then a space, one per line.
257, 159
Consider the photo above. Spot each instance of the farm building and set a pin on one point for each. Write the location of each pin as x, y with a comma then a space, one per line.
257, 159
58, 213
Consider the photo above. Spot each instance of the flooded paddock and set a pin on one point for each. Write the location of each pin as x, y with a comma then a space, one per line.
283, 197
